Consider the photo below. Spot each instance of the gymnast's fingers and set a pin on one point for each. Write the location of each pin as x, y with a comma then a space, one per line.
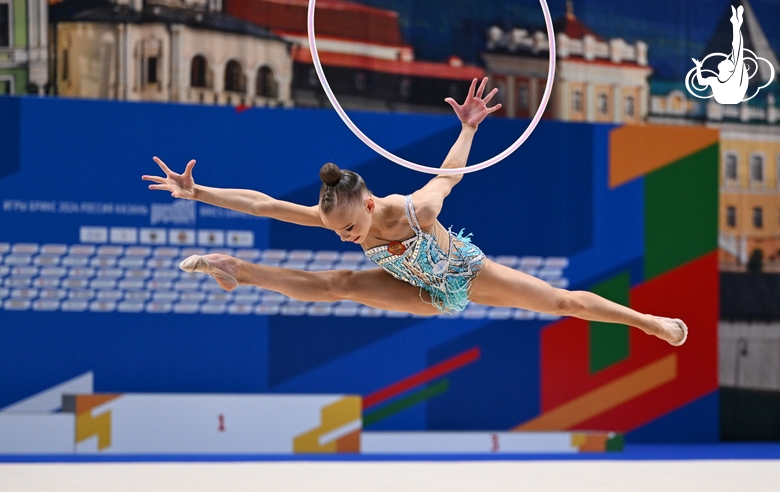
494, 108
162, 165
156, 179
471, 89
190, 165
452, 103
490, 95
159, 187
482, 86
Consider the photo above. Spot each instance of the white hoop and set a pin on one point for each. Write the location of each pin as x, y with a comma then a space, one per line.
417, 167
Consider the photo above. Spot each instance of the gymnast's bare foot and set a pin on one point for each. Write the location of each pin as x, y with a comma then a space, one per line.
224, 269
673, 331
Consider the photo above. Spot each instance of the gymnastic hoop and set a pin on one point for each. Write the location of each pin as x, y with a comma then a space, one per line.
417, 167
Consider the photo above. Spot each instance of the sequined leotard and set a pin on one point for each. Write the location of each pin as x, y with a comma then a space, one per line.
445, 275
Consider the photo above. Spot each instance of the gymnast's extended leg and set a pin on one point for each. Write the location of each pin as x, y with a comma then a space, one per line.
375, 288
498, 285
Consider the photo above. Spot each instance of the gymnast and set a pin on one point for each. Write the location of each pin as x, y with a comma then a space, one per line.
425, 268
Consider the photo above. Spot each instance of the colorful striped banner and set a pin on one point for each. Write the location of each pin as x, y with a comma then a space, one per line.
404, 403
442, 368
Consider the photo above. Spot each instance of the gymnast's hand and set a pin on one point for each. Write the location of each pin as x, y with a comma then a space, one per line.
474, 109
180, 185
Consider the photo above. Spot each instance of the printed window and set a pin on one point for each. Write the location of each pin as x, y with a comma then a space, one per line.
266, 83
731, 216
730, 166
576, 101
65, 64
5, 25
603, 104
677, 103
360, 81
405, 88
198, 71
235, 80
758, 217
523, 97
757, 168
151, 70
454, 91
630, 106
777, 170
500, 95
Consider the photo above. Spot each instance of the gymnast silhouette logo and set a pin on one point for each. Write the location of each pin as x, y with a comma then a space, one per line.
730, 84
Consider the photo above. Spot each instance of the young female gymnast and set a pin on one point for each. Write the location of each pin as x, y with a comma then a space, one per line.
426, 269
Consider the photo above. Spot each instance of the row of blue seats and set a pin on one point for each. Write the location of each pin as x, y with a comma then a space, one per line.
292, 308
20, 253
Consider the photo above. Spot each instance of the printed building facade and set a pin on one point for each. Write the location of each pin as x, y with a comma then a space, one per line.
368, 63
163, 51
749, 148
596, 80
750, 197
23, 47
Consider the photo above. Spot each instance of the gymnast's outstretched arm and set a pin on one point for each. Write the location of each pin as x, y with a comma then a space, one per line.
246, 201
429, 200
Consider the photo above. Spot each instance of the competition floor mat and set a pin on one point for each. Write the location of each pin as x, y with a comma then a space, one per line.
645, 468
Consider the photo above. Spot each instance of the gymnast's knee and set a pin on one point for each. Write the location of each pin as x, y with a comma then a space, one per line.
341, 284
567, 303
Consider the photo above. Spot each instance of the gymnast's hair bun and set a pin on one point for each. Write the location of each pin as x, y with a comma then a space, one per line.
330, 174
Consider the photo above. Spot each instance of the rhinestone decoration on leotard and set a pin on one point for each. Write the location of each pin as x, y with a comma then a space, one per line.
444, 274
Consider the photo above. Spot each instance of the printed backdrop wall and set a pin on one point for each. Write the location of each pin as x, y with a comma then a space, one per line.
617, 62
88, 266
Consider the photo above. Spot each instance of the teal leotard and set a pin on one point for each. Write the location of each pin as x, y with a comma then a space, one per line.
445, 275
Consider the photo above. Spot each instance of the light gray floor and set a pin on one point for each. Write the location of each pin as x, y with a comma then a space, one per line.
525, 476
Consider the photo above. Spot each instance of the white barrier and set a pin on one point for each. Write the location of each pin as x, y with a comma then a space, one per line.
37, 433
141, 424
215, 424
486, 442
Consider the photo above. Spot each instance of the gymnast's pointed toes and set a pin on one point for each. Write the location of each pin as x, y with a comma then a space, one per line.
201, 264
195, 263
684, 329
674, 331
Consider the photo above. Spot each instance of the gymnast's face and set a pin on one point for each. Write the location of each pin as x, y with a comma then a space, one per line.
351, 222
